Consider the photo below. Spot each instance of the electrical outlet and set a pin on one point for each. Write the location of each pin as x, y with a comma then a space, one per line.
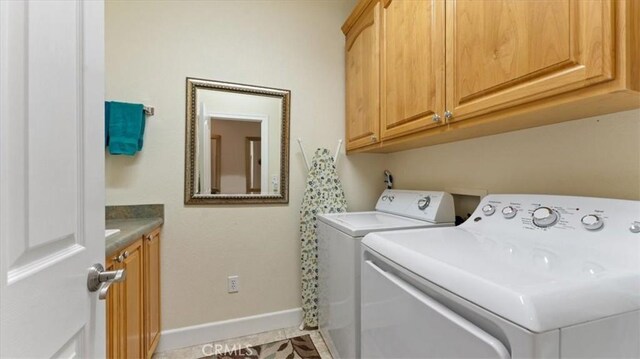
233, 284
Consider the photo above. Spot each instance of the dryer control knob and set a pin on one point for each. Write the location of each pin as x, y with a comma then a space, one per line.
488, 209
635, 228
424, 202
545, 217
509, 212
592, 222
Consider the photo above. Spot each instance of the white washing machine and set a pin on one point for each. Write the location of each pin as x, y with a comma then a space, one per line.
339, 237
527, 276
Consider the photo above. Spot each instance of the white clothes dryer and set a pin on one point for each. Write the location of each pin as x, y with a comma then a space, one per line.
339, 237
527, 276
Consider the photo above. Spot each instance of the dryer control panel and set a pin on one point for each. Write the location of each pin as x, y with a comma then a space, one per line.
555, 214
578, 237
431, 206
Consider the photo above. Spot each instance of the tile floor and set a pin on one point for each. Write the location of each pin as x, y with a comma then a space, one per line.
196, 351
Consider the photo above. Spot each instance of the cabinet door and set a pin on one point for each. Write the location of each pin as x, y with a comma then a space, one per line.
115, 315
363, 79
412, 60
152, 291
132, 295
501, 54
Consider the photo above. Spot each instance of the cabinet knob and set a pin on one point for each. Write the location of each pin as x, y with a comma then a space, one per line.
448, 116
374, 138
436, 118
119, 258
125, 255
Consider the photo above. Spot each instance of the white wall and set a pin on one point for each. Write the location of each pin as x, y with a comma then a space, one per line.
151, 47
598, 156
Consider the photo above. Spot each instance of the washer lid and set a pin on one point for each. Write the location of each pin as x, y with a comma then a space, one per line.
533, 282
358, 224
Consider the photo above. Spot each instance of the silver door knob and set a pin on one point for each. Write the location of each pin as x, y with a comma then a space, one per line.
100, 280
436, 118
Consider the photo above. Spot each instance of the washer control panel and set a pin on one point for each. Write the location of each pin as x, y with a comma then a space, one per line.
548, 213
432, 206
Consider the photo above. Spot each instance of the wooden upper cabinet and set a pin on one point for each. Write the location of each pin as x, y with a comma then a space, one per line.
505, 53
412, 65
363, 79
492, 65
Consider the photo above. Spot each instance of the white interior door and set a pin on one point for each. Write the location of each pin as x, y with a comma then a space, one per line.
52, 178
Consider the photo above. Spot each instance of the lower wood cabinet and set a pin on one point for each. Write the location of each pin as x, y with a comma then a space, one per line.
152, 291
133, 306
115, 317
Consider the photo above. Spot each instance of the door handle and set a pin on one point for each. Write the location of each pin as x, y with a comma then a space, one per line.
100, 280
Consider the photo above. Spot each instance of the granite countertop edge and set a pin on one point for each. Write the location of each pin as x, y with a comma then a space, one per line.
130, 231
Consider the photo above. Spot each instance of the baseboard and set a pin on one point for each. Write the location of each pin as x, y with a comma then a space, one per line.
226, 329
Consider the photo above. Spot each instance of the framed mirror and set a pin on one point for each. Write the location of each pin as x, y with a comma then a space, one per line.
237, 143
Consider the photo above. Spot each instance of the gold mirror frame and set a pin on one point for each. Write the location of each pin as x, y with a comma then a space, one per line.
190, 197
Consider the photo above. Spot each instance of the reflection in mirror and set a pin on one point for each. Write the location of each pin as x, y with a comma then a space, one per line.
253, 168
216, 144
237, 143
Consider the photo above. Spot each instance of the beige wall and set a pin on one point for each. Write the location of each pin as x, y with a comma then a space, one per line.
598, 156
151, 47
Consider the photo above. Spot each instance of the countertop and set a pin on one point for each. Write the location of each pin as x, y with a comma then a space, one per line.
131, 229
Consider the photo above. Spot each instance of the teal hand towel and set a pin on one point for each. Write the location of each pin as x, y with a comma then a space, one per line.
125, 123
